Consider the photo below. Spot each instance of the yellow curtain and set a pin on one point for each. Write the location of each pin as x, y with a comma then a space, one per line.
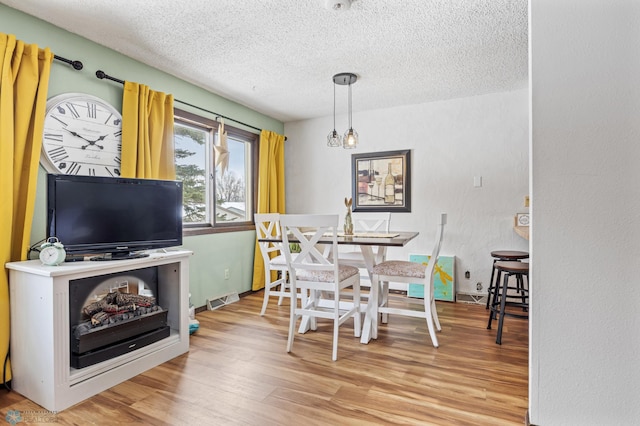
270, 190
24, 82
147, 133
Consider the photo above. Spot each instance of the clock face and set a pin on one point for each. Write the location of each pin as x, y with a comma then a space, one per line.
523, 220
82, 136
52, 255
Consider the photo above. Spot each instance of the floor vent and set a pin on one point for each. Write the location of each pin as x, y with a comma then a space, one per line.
471, 298
218, 302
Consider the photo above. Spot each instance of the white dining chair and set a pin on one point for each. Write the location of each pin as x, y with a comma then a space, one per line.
268, 225
402, 271
373, 222
363, 223
315, 271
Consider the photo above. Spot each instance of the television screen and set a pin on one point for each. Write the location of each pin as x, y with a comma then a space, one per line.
116, 216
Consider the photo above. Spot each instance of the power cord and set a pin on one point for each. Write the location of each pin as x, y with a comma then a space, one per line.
7, 385
35, 248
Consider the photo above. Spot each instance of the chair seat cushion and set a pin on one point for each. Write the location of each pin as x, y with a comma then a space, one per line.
344, 272
400, 268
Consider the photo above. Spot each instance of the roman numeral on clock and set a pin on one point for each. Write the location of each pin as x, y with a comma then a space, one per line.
118, 133
54, 137
57, 154
74, 169
61, 122
112, 172
72, 110
91, 110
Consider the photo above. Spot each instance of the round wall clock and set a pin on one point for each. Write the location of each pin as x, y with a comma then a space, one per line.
82, 136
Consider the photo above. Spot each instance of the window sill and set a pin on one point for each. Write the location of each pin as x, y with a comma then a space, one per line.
205, 230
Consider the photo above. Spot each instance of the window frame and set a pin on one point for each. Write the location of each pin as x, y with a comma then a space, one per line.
253, 140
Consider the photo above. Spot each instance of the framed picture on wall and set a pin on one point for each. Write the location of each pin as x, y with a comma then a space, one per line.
381, 181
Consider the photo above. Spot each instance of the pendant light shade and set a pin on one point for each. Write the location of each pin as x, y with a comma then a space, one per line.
334, 139
350, 139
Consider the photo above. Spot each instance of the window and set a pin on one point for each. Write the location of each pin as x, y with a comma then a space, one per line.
213, 201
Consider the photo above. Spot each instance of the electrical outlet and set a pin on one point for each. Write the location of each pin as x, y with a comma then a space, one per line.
479, 286
226, 274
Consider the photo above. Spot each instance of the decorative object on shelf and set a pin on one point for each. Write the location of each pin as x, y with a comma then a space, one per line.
52, 252
348, 223
522, 219
391, 172
82, 135
350, 139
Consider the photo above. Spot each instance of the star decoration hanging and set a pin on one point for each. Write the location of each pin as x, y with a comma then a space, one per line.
221, 149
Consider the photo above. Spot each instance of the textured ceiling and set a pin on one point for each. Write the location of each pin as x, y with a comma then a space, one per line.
278, 56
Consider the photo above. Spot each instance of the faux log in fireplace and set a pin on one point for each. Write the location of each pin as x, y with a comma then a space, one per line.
114, 314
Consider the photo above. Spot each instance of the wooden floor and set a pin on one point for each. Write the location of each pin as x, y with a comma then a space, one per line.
238, 373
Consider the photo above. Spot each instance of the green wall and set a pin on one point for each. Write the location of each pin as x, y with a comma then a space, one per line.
212, 253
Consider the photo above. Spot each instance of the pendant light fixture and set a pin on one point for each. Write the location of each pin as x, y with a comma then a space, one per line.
334, 139
350, 139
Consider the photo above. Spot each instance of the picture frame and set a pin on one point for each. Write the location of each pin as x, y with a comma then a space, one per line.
370, 171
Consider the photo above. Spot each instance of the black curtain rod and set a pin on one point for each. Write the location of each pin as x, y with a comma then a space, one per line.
102, 75
77, 65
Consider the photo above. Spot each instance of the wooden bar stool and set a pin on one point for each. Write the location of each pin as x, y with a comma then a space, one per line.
502, 299
502, 256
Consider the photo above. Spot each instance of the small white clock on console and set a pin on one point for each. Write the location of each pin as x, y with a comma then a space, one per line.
40, 329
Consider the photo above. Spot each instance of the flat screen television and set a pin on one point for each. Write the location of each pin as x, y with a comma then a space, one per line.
117, 217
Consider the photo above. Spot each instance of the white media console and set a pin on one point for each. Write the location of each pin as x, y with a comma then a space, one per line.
40, 329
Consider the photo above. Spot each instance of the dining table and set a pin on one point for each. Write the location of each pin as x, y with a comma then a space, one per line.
373, 246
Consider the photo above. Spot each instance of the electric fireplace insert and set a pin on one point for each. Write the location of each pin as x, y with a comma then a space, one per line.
113, 314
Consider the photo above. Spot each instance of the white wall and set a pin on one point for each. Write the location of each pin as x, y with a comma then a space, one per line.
585, 318
451, 142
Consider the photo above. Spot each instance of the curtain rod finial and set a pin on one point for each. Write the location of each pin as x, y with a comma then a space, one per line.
77, 65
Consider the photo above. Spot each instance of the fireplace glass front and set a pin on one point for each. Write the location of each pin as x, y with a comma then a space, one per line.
114, 314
